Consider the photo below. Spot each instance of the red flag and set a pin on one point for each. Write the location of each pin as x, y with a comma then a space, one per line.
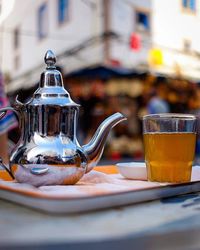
135, 42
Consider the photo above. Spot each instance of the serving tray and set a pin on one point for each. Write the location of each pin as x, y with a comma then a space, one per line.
101, 188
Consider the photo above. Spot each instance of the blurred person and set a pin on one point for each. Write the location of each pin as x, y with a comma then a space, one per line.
7, 123
158, 102
194, 108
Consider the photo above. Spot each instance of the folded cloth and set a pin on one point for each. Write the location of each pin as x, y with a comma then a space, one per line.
92, 184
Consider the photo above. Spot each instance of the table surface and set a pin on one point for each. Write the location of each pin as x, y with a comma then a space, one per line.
148, 225
171, 223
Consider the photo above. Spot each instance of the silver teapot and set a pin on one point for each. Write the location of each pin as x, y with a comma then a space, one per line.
48, 152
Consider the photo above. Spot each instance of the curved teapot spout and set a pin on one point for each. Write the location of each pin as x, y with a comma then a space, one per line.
95, 147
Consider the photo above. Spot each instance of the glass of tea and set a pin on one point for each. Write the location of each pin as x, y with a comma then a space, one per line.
169, 145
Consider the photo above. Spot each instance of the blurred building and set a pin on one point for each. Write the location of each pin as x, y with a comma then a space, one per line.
102, 47
158, 36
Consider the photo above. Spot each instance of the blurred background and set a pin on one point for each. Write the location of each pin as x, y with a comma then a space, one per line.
132, 56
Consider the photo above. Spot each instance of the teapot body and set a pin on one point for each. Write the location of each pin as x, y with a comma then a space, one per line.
48, 146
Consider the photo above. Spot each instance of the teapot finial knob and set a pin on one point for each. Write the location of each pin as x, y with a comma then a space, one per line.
50, 59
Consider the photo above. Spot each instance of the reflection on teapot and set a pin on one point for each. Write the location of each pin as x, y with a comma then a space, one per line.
48, 152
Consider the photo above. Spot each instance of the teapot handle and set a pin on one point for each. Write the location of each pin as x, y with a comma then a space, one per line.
3, 112
6, 168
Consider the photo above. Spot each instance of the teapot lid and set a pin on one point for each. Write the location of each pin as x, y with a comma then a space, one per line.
51, 89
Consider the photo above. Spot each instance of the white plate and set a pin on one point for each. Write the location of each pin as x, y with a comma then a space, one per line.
133, 170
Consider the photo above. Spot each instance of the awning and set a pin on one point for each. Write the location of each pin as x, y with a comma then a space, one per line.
102, 72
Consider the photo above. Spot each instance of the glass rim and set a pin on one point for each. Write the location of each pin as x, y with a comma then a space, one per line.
170, 115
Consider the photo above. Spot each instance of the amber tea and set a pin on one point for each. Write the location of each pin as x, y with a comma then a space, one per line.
169, 156
169, 141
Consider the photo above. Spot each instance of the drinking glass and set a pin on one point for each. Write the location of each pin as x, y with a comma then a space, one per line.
169, 145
